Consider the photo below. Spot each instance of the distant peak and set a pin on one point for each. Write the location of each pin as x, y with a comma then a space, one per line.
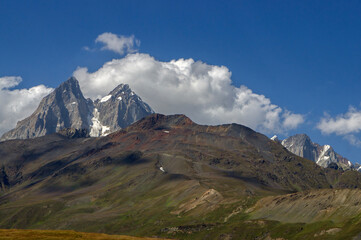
70, 81
300, 138
72, 78
120, 89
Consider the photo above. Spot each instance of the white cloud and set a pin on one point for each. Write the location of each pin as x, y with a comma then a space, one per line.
353, 140
203, 92
342, 124
292, 120
9, 82
16, 104
346, 125
117, 43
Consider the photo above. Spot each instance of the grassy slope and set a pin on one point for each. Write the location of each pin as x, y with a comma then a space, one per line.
103, 185
16, 234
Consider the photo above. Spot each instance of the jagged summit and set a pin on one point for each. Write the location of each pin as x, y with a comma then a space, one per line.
297, 139
120, 90
66, 107
120, 108
301, 145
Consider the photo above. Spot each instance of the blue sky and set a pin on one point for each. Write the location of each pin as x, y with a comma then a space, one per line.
304, 56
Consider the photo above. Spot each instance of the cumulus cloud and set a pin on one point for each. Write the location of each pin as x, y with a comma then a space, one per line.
16, 104
292, 120
201, 91
342, 124
117, 43
346, 125
9, 82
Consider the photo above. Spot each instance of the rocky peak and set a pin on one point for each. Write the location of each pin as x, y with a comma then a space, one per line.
298, 139
301, 145
66, 107
121, 89
69, 90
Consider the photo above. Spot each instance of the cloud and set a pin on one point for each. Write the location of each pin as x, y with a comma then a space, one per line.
201, 91
353, 140
342, 124
292, 120
9, 82
16, 104
117, 43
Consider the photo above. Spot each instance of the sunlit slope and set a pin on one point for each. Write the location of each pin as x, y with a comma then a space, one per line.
16, 234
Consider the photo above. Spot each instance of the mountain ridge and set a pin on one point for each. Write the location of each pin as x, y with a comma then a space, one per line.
161, 176
324, 156
66, 107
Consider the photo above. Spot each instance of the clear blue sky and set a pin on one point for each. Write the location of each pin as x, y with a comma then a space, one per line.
305, 56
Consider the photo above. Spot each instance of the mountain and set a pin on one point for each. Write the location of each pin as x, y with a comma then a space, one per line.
324, 156
66, 107
166, 176
120, 108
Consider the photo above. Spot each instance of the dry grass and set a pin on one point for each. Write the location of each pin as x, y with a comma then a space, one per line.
12, 234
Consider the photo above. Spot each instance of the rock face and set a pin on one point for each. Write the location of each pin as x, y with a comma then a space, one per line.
72, 133
117, 110
324, 156
66, 107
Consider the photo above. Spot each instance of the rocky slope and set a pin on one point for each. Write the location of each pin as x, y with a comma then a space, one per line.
66, 107
161, 176
324, 156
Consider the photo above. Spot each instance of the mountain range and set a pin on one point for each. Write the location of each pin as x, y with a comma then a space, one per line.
66, 107
324, 156
166, 176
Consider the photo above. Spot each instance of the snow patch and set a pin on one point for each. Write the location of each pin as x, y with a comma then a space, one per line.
120, 98
274, 138
106, 98
326, 148
97, 129
73, 103
349, 163
162, 169
166, 131
132, 93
